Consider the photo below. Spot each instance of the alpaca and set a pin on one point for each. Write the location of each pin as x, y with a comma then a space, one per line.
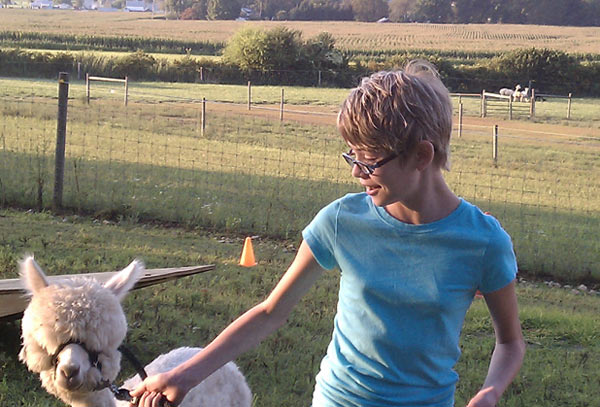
71, 332
509, 92
523, 95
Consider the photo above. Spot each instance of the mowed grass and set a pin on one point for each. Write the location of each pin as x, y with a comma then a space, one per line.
351, 36
247, 173
562, 329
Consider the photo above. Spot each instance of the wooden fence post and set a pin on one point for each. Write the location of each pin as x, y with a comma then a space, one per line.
569, 107
532, 104
495, 144
249, 95
61, 134
483, 103
281, 106
201, 74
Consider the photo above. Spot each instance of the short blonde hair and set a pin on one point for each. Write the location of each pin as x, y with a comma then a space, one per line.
393, 111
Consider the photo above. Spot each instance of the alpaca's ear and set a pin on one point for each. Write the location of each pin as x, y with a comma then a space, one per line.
125, 279
32, 275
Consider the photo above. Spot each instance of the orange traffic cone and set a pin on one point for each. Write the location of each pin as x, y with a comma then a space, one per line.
247, 259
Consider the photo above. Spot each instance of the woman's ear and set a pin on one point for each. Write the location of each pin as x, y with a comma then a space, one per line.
425, 154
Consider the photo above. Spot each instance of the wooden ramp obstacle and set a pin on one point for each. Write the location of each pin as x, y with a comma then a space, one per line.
14, 300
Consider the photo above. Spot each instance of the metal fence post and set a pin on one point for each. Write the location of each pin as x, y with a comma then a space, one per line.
460, 119
495, 143
126, 91
87, 88
61, 133
249, 95
281, 106
203, 124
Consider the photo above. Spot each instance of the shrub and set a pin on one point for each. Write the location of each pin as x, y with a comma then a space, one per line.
138, 65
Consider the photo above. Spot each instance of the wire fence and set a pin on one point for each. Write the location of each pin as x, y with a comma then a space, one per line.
244, 169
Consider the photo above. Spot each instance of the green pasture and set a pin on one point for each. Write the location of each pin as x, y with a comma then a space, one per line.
246, 174
561, 328
584, 111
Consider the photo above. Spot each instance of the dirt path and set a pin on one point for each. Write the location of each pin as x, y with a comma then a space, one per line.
326, 115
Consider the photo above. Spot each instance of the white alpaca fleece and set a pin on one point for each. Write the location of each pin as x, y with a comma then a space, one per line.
83, 311
226, 387
75, 309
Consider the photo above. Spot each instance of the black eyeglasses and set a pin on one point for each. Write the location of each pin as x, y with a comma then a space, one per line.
367, 169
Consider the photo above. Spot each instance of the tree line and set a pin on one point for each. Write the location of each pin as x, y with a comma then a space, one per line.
541, 12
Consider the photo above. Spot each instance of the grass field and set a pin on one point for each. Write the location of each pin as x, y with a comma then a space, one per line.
151, 161
350, 36
562, 329
144, 181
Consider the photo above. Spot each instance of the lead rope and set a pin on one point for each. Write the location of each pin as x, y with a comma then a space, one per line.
122, 394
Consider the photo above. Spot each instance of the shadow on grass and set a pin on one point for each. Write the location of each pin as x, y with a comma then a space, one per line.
550, 243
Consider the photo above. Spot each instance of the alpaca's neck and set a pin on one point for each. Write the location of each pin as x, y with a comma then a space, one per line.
102, 398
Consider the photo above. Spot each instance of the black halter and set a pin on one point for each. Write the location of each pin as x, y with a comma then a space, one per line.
92, 355
119, 393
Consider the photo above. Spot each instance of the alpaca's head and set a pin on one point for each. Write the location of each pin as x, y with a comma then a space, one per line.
72, 329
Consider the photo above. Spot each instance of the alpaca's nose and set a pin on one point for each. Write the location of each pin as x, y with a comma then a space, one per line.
69, 371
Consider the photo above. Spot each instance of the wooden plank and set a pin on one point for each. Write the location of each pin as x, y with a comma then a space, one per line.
101, 79
14, 300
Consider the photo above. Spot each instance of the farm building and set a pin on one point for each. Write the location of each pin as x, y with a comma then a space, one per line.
137, 6
41, 4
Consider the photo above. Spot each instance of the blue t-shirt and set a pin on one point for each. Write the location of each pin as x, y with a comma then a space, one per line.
404, 293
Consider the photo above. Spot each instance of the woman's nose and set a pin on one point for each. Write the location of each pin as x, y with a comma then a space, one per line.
357, 172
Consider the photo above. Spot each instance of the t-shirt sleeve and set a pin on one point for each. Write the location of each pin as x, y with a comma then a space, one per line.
500, 263
320, 235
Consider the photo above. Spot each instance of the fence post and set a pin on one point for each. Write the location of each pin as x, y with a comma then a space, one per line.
203, 118
201, 74
281, 106
249, 95
78, 70
61, 134
460, 118
532, 104
569, 107
319, 80
126, 90
87, 88
510, 108
495, 143
483, 103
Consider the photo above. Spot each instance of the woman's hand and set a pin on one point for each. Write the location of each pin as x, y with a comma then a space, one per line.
156, 388
484, 398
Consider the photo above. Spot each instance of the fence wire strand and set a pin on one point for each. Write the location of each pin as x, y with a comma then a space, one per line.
248, 172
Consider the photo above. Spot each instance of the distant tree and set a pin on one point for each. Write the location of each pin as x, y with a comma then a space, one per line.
401, 10
196, 12
321, 53
222, 9
282, 49
435, 11
321, 10
175, 7
369, 10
